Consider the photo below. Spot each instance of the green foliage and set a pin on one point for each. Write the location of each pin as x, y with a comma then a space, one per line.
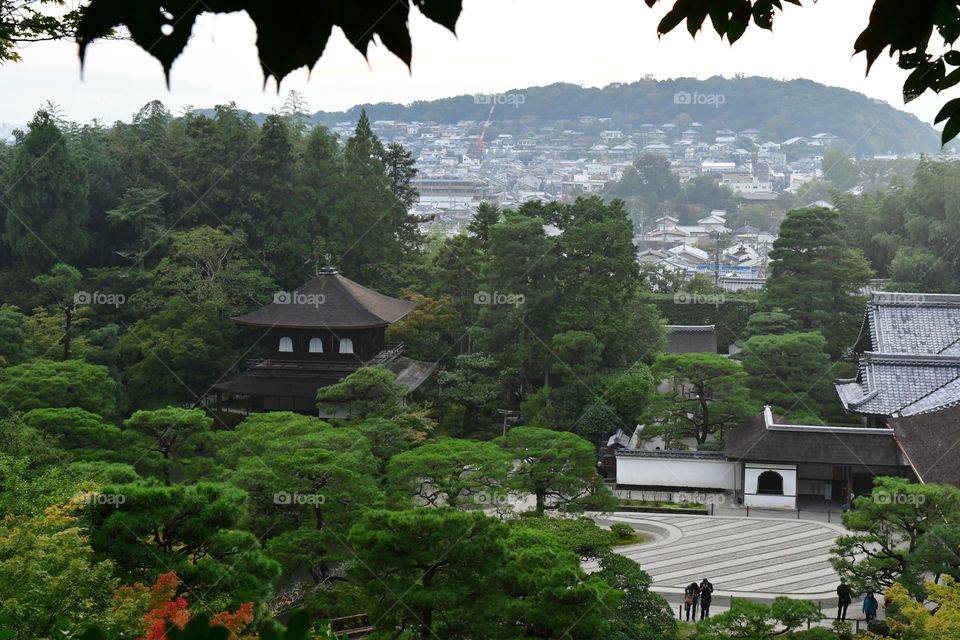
596, 423
209, 267
466, 574
367, 392
789, 371
173, 434
646, 184
25, 22
900, 533
706, 393
765, 323
171, 356
581, 535
401, 170
729, 316
433, 557
15, 333
46, 207
306, 484
918, 269
471, 383
84, 434
148, 529
61, 286
50, 582
451, 472
815, 278
628, 393
641, 614
557, 467
47, 383
757, 621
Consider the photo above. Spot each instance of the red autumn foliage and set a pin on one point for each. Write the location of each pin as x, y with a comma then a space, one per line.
166, 607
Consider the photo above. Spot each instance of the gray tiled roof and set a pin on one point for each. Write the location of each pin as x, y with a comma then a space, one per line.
910, 356
913, 323
896, 384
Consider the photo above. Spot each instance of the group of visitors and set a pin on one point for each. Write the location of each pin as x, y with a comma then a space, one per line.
701, 595
695, 595
845, 596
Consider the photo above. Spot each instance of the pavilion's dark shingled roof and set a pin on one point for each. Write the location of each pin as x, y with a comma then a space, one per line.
329, 301
291, 384
932, 443
910, 356
753, 441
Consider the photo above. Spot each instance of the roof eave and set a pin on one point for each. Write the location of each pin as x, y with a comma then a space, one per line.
268, 325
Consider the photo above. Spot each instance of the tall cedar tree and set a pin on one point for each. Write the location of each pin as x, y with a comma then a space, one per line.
45, 201
815, 278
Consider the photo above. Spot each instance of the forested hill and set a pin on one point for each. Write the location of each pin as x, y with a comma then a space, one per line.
778, 109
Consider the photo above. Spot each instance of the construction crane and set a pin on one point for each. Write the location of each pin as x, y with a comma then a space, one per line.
483, 131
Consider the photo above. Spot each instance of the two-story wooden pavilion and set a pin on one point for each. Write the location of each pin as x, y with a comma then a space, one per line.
317, 335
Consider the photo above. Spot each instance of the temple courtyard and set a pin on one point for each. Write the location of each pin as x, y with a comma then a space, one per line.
754, 558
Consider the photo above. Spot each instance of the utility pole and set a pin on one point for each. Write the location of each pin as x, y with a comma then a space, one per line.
716, 260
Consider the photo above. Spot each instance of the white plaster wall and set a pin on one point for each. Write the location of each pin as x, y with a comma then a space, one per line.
768, 501
752, 499
700, 474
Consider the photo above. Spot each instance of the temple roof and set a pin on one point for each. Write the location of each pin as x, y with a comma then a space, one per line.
263, 381
930, 442
328, 301
762, 439
909, 349
912, 323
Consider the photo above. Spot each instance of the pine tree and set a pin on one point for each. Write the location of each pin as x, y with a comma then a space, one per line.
45, 207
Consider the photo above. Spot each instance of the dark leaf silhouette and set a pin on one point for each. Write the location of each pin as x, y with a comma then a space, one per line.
286, 39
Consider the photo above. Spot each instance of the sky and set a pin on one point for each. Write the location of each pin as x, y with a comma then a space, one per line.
500, 45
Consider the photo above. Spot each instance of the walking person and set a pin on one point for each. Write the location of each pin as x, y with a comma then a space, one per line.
844, 597
691, 597
706, 597
870, 606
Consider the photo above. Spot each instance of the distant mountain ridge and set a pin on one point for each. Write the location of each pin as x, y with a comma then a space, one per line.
778, 109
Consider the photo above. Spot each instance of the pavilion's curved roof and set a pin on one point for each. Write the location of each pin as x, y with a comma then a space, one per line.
328, 301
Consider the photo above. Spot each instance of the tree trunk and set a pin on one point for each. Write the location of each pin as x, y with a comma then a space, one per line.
68, 332
705, 412
541, 500
425, 616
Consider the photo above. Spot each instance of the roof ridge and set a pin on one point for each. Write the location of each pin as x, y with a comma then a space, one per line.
907, 358
927, 394
949, 345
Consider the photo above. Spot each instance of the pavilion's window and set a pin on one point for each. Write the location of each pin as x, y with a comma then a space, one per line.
770, 482
346, 345
316, 345
286, 345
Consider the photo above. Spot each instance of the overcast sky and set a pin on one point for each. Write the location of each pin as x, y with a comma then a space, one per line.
501, 45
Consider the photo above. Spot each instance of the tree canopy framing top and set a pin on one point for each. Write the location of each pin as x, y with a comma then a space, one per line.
297, 35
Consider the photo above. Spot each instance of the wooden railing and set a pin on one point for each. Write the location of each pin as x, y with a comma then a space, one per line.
388, 353
356, 626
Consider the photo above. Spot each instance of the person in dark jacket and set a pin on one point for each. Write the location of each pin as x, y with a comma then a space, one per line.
870, 606
706, 597
843, 599
691, 597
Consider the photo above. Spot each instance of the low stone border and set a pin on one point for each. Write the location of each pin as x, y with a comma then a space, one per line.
679, 512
